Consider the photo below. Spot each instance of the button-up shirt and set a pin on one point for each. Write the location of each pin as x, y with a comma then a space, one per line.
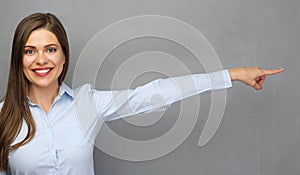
60, 146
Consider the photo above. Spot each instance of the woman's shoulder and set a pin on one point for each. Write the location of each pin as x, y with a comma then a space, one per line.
72, 89
84, 89
86, 86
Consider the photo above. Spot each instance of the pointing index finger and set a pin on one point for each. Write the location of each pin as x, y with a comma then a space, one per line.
273, 71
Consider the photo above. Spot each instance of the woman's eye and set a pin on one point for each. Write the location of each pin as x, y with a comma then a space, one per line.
29, 51
51, 50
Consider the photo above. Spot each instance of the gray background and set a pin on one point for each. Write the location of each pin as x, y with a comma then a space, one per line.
259, 134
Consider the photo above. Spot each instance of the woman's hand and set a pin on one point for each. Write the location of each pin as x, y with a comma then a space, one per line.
252, 76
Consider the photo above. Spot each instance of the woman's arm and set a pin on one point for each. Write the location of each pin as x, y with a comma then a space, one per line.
157, 95
161, 93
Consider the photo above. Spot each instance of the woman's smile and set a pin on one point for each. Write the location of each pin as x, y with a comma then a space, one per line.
42, 72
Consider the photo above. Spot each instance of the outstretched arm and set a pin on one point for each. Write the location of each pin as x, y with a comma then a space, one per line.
252, 76
161, 93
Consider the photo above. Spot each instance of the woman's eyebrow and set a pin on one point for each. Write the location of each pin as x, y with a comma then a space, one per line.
48, 45
29, 46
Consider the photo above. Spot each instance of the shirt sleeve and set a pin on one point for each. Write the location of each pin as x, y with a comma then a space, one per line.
157, 95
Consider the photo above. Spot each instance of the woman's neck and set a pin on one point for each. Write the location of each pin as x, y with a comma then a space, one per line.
43, 96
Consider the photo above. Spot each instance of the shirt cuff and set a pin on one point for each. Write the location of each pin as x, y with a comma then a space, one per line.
220, 79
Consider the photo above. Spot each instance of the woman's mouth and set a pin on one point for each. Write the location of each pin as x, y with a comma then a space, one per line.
42, 72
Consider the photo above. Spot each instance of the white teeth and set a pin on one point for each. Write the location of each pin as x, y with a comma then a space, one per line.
42, 71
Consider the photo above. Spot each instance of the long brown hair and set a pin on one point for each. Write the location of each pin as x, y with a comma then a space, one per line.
15, 109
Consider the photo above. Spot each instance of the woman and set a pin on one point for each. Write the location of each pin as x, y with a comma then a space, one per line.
38, 129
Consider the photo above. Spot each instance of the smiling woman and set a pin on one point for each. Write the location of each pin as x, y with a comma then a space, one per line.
15, 109
39, 132
43, 62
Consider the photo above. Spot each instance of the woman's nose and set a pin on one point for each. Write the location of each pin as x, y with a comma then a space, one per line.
41, 58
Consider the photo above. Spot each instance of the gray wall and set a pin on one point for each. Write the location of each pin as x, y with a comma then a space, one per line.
259, 133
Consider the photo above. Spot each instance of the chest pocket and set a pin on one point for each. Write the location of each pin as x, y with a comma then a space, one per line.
75, 135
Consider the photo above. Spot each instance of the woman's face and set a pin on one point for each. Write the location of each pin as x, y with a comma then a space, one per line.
43, 59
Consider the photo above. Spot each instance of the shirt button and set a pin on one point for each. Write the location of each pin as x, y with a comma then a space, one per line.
48, 126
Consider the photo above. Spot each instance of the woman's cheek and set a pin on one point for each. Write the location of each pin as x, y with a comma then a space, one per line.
28, 61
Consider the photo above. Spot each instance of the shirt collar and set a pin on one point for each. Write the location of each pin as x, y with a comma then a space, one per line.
64, 88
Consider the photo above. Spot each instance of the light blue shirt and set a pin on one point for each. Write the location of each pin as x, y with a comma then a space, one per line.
60, 146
